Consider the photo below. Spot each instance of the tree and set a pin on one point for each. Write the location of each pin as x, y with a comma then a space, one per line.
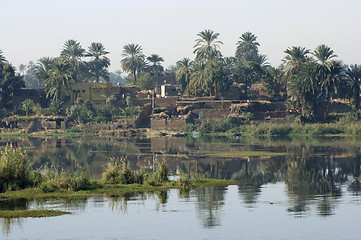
247, 45
197, 78
9, 82
326, 71
145, 82
2, 58
184, 69
56, 75
272, 80
155, 67
247, 72
133, 59
207, 45
99, 62
30, 79
296, 56
353, 74
332, 81
155, 60
73, 52
302, 89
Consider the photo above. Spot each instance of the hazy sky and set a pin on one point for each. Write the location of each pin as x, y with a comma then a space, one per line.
31, 29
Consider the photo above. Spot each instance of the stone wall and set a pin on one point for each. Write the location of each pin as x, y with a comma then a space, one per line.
171, 124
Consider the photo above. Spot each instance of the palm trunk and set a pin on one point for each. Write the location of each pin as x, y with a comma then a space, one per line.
135, 77
328, 100
215, 89
357, 97
187, 81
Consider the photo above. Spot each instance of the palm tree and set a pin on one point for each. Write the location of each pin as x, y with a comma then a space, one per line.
56, 75
156, 66
133, 59
353, 74
2, 58
184, 71
302, 88
332, 81
326, 70
247, 72
155, 59
247, 45
73, 51
296, 56
99, 61
207, 46
197, 78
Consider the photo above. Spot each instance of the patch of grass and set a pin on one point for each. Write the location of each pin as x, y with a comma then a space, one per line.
31, 213
246, 154
111, 189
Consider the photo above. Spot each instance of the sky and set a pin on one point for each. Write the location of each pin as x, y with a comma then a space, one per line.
32, 29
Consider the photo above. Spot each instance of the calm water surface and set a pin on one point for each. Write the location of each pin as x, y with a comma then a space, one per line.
311, 192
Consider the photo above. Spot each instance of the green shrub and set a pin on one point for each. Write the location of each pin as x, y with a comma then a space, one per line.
279, 130
223, 125
189, 127
205, 127
161, 174
14, 169
112, 172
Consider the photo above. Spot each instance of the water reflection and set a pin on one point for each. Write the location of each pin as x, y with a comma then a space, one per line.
316, 175
209, 204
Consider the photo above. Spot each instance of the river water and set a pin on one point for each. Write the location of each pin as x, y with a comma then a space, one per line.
310, 191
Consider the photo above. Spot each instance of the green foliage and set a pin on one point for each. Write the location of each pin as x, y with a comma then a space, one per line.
28, 106
115, 174
145, 81
14, 169
9, 82
205, 127
104, 114
161, 174
81, 112
51, 181
55, 108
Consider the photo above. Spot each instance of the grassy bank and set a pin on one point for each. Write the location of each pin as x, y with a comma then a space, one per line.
274, 129
19, 180
31, 213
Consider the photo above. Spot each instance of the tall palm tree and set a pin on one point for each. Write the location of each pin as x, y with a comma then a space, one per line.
184, 71
207, 45
155, 59
2, 58
197, 78
353, 74
326, 71
99, 62
296, 56
55, 74
247, 72
133, 59
156, 66
302, 87
73, 51
247, 44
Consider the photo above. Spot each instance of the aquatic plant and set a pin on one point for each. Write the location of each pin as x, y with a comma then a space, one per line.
14, 169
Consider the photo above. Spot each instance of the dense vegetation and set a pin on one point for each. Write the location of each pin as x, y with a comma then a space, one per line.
307, 80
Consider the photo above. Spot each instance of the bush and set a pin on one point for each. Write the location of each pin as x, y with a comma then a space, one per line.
112, 172
189, 127
161, 174
14, 169
279, 130
223, 125
205, 127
